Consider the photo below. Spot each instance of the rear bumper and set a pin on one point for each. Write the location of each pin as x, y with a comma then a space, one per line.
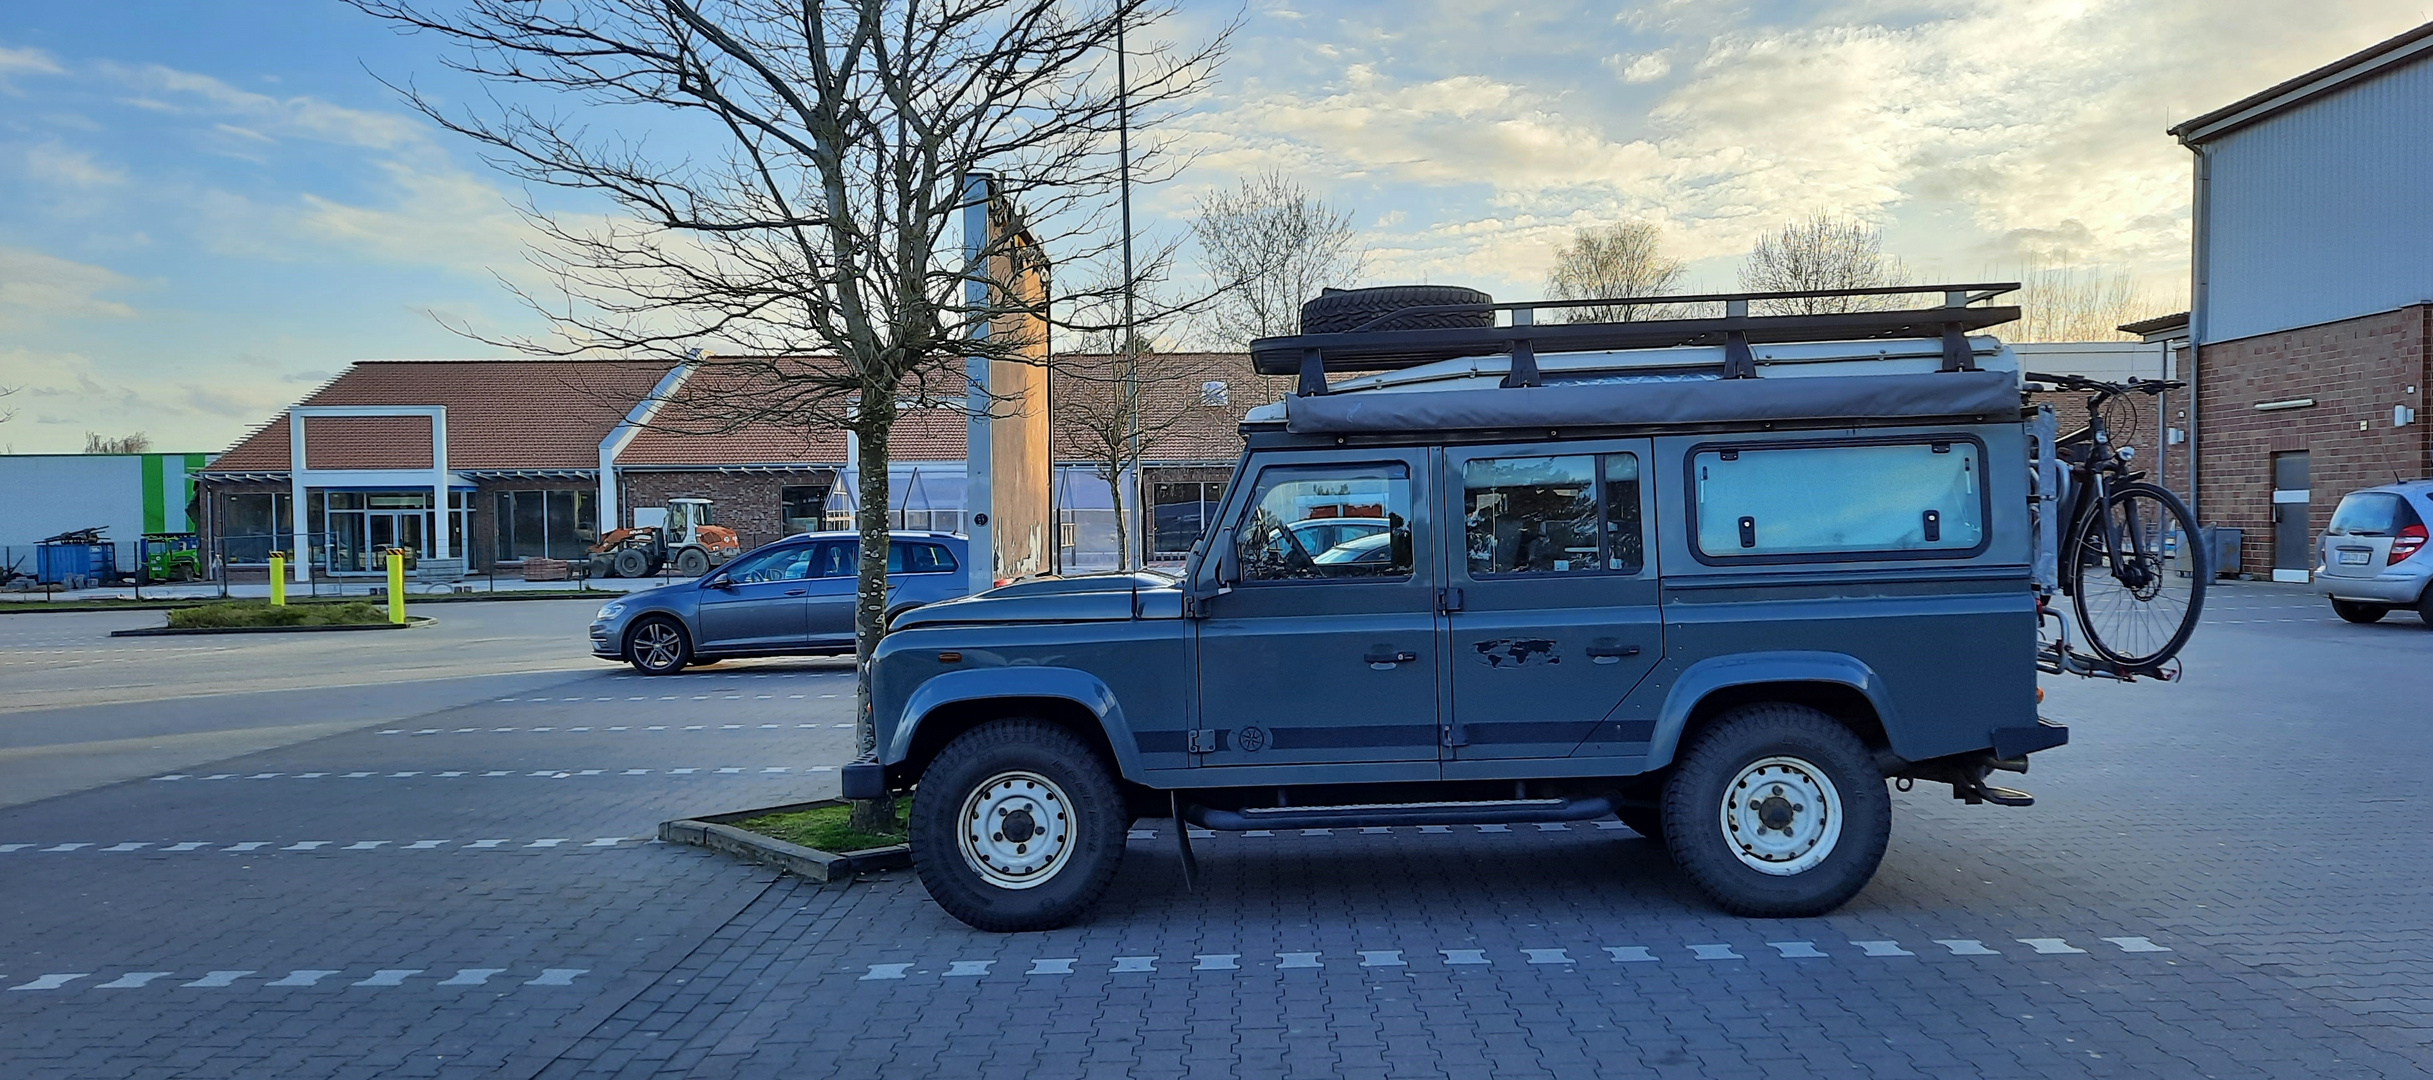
2394, 589
2017, 742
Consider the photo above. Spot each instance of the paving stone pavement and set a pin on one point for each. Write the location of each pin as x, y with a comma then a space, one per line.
2204, 888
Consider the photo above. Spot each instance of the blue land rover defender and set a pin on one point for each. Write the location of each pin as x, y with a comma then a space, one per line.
1720, 574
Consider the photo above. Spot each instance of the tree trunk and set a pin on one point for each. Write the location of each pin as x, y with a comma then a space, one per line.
1123, 532
872, 423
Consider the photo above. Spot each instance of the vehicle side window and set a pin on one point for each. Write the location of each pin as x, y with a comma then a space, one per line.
833, 558
777, 564
919, 559
1823, 500
2371, 513
1312, 522
1575, 514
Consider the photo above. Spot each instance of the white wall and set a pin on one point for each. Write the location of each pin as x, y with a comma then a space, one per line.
2322, 213
47, 494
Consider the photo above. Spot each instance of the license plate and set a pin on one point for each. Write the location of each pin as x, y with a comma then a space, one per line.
2354, 556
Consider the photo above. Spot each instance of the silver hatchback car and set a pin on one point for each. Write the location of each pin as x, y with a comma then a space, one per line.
2375, 555
790, 598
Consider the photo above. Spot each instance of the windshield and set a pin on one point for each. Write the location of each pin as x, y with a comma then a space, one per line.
2371, 513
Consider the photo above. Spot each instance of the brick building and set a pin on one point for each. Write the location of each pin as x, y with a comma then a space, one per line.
2313, 295
533, 456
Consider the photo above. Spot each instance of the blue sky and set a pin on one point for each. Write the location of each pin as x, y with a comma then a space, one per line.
208, 206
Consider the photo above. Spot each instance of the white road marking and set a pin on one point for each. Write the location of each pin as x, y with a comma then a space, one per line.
131, 980
424, 845
1465, 956
1298, 960
485, 843
2049, 946
1548, 956
389, 977
67, 847
2136, 944
218, 978
1134, 963
363, 845
1715, 952
1795, 950
1381, 958
886, 971
52, 982
249, 845
187, 845
302, 977
470, 976
552, 842
1059, 966
14, 847
606, 841
1630, 954
308, 845
1966, 947
130, 846
1491, 828
968, 967
1215, 962
556, 977
1883, 948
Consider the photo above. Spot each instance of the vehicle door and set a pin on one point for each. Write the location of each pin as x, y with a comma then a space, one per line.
1551, 594
757, 602
1303, 661
834, 575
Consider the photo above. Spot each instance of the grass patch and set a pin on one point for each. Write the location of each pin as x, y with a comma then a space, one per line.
228, 614
826, 828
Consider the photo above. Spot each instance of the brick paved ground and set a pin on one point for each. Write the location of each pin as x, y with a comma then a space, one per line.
2216, 881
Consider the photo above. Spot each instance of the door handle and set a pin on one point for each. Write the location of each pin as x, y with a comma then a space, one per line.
1383, 658
1608, 652
798, 592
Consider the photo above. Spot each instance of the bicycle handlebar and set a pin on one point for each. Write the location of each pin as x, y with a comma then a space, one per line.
2081, 382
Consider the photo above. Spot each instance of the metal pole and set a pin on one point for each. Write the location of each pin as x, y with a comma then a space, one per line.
1123, 164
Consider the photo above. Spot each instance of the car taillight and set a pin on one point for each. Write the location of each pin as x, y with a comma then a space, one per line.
2410, 540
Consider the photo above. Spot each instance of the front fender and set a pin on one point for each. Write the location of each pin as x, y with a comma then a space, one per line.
1744, 669
982, 684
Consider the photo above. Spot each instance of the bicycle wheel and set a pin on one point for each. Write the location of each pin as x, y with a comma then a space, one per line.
2135, 610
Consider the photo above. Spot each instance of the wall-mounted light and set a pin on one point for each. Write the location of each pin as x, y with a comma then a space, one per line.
2402, 415
2286, 403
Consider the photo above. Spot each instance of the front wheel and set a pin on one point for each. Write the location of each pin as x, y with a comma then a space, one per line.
692, 562
2136, 611
1017, 826
658, 647
1777, 811
2359, 613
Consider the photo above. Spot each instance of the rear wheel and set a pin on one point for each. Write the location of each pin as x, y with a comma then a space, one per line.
692, 562
658, 646
1777, 811
2359, 613
2139, 612
2424, 607
631, 562
1017, 826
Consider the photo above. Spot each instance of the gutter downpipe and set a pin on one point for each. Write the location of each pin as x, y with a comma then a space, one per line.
2199, 314
612, 514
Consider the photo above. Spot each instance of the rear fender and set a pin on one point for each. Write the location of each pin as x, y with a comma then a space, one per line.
1706, 677
979, 685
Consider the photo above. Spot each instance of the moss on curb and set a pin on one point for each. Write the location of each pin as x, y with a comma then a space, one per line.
825, 828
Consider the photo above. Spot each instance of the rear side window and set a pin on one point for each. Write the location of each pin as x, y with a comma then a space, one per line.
2372, 513
1900, 499
1552, 515
905, 558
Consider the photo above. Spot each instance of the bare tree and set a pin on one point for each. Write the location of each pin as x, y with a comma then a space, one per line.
796, 206
1266, 246
7, 415
1620, 260
2076, 303
1822, 252
1113, 408
97, 443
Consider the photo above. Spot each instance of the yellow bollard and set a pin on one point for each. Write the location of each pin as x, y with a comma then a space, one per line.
397, 585
278, 579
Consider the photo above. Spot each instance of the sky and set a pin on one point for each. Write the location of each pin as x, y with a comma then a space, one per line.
209, 207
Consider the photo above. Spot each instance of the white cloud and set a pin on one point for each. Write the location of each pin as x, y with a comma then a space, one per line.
26, 61
1643, 68
35, 287
169, 89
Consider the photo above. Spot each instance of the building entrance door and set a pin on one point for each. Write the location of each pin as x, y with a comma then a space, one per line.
2292, 553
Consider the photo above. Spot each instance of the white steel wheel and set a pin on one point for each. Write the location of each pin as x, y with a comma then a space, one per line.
1781, 816
1015, 831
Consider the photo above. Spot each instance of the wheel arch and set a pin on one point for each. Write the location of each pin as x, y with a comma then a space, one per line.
950, 704
1837, 684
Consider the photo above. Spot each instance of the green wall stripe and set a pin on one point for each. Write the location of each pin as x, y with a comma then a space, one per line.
194, 464
155, 506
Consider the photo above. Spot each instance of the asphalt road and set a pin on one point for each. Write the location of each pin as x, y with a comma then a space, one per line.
438, 866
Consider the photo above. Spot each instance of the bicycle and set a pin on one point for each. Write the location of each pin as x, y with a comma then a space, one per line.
2117, 535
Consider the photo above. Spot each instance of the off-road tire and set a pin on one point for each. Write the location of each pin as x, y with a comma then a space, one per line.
1095, 828
1694, 809
692, 562
2359, 613
631, 562
1336, 311
649, 660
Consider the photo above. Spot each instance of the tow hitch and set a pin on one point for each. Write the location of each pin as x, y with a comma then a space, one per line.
1966, 774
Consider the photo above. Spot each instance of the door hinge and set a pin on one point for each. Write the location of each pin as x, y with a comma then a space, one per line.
1201, 741
1456, 735
1448, 600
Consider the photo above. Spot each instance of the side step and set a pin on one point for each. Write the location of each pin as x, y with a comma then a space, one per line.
1497, 812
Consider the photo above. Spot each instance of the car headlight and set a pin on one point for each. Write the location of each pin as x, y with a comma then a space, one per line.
611, 609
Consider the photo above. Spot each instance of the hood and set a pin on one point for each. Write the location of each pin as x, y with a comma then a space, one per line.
1086, 598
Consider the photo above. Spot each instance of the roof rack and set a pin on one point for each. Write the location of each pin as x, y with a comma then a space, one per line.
1363, 348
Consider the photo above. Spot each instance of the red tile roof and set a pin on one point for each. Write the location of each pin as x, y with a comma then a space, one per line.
502, 414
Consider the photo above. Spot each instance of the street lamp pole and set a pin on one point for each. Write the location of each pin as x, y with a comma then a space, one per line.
1131, 360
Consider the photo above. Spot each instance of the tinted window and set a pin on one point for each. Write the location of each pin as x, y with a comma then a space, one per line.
1839, 499
1551, 515
1299, 513
2371, 513
833, 558
919, 559
771, 564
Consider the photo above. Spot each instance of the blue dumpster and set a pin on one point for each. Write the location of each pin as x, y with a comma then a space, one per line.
88, 563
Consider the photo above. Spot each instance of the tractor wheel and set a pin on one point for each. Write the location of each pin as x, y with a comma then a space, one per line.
631, 562
692, 562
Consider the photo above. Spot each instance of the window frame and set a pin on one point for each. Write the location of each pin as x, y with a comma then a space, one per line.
1458, 488
1250, 503
1689, 502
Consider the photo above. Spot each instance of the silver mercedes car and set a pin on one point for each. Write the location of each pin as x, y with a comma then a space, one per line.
790, 598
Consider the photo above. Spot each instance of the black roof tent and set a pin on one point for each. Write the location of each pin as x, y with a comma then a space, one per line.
1312, 356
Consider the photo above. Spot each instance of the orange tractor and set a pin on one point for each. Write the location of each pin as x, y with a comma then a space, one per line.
682, 537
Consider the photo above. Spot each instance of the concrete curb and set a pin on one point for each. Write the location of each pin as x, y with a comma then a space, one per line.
712, 831
411, 622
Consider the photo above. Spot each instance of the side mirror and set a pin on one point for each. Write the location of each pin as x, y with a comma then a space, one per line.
1229, 563
720, 581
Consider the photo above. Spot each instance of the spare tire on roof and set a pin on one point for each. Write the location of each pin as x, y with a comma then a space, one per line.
1336, 311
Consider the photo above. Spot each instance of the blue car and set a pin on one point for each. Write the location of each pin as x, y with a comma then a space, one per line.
790, 598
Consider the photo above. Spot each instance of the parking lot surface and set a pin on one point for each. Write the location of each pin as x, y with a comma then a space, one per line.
453, 876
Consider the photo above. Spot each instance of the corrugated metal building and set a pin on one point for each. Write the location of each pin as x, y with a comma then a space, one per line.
2313, 290
127, 494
